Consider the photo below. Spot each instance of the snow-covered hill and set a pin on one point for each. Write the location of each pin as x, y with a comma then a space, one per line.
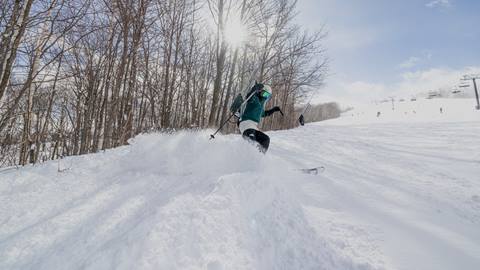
418, 111
394, 195
408, 111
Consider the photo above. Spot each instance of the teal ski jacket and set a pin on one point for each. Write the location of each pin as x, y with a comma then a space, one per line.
254, 110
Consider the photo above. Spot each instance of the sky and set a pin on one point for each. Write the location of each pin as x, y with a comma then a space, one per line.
393, 48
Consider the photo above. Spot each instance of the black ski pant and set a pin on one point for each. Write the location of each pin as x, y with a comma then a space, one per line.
258, 136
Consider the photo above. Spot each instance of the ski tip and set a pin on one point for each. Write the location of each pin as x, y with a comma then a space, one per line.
313, 171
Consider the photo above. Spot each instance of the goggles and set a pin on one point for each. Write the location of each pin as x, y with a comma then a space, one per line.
265, 94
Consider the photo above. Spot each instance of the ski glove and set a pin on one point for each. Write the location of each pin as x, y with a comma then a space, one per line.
273, 110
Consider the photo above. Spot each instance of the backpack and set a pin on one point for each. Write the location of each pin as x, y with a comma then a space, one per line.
239, 103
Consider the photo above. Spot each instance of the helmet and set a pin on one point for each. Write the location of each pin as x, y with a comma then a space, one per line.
266, 92
267, 88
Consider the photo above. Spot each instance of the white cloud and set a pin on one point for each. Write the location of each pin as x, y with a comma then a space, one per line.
432, 79
410, 62
439, 3
428, 55
410, 84
350, 93
414, 61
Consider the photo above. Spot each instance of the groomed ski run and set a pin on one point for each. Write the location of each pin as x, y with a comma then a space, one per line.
396, 194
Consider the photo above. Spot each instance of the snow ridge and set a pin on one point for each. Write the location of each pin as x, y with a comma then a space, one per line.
400, 191
164, 202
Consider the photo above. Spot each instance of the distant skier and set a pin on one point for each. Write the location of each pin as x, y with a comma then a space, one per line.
301, 120
252, 113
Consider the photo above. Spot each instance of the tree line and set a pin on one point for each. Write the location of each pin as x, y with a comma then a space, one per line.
320, 112
77, 76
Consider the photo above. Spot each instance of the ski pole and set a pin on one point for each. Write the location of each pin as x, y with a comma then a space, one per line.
212, 136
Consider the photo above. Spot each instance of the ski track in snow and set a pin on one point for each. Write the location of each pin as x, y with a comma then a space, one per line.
393, 196
418, 194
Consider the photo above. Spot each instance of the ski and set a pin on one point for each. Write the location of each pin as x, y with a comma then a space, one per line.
314, 170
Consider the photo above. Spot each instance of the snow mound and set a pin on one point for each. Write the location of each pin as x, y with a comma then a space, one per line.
164, 202
395, 194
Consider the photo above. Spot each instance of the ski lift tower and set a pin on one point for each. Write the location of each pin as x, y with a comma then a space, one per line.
473, 78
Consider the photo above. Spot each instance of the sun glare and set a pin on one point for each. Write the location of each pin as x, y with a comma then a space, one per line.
235, 31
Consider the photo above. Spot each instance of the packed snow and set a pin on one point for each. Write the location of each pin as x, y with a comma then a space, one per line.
399, 191
407, 111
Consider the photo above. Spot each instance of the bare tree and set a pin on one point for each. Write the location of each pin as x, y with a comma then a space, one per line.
12, 34
80, 76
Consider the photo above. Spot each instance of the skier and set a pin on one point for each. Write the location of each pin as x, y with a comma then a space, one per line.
253, 111
301, 120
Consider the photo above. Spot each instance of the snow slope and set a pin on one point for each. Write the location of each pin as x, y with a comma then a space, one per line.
394, 195
420, 110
